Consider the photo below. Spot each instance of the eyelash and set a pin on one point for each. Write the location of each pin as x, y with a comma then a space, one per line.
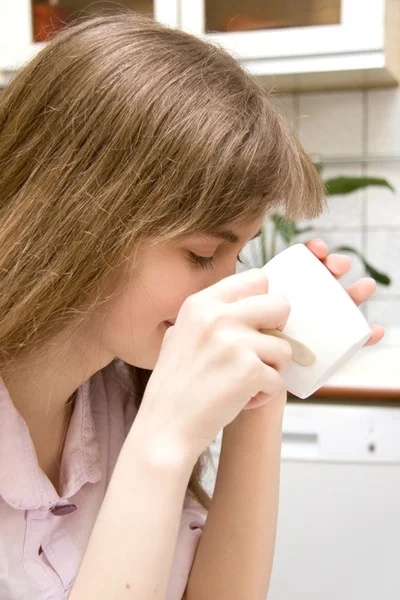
206, 262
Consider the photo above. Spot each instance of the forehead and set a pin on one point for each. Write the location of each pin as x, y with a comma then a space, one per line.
232, 233
237, 232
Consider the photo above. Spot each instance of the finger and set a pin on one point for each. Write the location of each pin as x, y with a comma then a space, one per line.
338, 264
241, 285
318, 247
272, 351
259, 400
273, 387
266, 311
361, 290
377, 334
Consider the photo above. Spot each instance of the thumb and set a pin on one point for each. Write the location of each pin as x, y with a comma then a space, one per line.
259, 400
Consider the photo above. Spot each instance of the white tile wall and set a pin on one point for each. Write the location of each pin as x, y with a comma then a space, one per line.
286, 105
383, 206
383, 121
331, 123
386, 313
383, 247
361, 123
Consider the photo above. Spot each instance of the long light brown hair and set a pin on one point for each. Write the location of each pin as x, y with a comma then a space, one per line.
121, 130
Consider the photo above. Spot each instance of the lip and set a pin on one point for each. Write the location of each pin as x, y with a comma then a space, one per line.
169, 323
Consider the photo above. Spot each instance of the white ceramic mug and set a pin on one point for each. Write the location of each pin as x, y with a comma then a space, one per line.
323, 317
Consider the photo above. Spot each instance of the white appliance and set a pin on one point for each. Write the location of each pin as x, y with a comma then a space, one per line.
339, 521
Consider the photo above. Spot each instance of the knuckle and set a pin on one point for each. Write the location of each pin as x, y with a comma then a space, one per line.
286, 351
190, 306
208, 315
282, 308
286, 306
213, 320
210, 321
276, 383
259, 276
256, 278
249, 367
256, 274
226, 342
167, 335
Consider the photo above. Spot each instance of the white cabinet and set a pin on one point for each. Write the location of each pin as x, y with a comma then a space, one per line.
338, 532
300, 45
307, 44
338, 535
20, 20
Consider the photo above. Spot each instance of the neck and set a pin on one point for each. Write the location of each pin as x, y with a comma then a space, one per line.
41, 384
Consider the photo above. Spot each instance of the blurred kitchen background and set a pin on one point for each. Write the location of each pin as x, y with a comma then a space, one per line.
334, 68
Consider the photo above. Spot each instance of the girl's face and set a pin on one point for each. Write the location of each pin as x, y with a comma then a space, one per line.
147, 298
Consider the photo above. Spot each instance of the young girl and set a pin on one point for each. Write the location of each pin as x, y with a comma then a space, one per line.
136, 162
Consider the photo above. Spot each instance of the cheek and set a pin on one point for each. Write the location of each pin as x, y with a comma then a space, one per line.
167, 300
172, 301
134, 328
141, 308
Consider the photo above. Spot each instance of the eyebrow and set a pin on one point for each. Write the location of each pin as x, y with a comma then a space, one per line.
229, 236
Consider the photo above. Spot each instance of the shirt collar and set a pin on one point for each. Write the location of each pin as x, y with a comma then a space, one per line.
23, 484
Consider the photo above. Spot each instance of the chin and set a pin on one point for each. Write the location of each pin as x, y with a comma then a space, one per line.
145, 360
145, 355
140, 363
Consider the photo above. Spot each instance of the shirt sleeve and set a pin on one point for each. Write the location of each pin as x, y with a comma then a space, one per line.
190, 530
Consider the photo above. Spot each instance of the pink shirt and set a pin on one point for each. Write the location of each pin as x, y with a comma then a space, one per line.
34, 518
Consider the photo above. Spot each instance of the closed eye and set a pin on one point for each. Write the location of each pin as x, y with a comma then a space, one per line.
206, 262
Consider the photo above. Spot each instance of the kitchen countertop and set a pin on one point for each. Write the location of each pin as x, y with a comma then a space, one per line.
373, 373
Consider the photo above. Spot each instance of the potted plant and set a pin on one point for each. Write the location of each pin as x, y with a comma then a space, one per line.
278, 226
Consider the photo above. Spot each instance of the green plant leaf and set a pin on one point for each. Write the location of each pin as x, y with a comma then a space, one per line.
346, 185
285, 227
380, 277
263, 246
303, 230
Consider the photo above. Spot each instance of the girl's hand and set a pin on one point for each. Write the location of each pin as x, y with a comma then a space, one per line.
359, 292
213, 361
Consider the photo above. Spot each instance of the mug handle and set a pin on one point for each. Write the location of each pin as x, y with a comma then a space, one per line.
302, 354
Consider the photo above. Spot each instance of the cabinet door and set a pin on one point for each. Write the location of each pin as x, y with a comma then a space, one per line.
26, 24
15, 30
257, 29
